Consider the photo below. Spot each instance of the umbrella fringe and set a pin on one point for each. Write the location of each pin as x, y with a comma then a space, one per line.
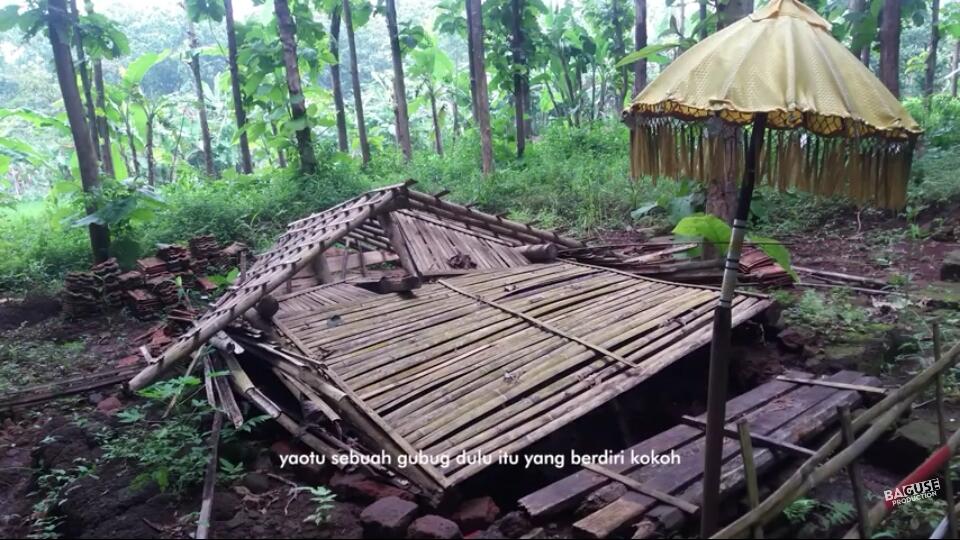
868, 170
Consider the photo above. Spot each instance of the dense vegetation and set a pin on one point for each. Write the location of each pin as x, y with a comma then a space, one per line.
322, 120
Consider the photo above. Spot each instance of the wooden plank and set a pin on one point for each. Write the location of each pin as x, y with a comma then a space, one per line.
831, 384
640, 488
761, 440
565, 493
768, 420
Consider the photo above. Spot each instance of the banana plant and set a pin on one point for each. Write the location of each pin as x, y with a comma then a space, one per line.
434, 71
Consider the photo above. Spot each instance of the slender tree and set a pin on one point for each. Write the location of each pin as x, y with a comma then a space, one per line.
520, 77
298, 105
103, 128
201, 102
640, 41
954, 68
246, 161
931, 68
859, 9
722, 189
479, 75
84, 76
890, 46
342, 141
355, 79
704, 31
58, 25
399, 87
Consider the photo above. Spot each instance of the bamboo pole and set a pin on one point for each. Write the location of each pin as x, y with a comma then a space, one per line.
749, 471
210, 480
948, 493
853, 470
640, 488
804, 478
831, 384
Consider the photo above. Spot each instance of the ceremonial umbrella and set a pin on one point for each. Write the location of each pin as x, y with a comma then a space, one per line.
811, 116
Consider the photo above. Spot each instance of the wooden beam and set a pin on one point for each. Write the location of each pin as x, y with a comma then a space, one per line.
759, 440
686, 506
398, 243
831, 384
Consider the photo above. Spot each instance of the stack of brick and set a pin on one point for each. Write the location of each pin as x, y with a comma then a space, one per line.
81, 294
109, 274
205, 251
143, 304
176, 257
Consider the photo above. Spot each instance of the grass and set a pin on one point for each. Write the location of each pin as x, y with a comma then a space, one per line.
569, 178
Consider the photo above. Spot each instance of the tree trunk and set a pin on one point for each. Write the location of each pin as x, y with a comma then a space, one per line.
58, 24
456, 117
890, 46
931, 71
438, 142
472, 73
954, 67
860, 7
133, 144
732, 11
355, 78
722, 189
640, 41
704, 31
201, 103
281, 155
399, 87
85, 78
619, 51
106, 150
298, 105
151, 164
342, 142
246, 160
519, 73
479, 70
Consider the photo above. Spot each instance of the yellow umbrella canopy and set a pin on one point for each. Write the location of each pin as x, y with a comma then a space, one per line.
837, 129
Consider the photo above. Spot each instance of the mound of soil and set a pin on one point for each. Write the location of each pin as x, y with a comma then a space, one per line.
29, 311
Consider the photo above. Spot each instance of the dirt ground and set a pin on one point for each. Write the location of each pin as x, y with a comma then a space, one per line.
37, 345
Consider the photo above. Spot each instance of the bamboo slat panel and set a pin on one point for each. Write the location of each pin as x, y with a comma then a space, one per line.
452, 368
318, 296
439, 245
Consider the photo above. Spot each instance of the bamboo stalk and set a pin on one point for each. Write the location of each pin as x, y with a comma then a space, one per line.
210, 479
750, 471
853, 471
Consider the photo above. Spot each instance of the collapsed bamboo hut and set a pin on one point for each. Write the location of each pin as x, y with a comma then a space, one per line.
479, 342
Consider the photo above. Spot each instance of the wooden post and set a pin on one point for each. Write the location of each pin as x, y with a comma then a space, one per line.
853, 470
750, 472
321, 269
397, 243
948, 493
210, 481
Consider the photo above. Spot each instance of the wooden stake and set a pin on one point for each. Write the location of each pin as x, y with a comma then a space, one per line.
948, 492
853, 470
210, 481
750, 471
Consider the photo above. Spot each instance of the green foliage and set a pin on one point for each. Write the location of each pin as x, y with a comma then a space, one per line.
832, 313
52, 488
798, 511
323, 500
716, 231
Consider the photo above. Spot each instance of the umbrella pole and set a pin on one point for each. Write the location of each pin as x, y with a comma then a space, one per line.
720, 345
